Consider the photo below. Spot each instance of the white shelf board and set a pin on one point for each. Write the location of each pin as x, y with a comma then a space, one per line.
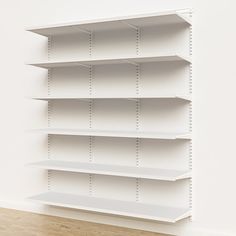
114, 170
166, 96
107, 61
115, 207
144, 20
109, 133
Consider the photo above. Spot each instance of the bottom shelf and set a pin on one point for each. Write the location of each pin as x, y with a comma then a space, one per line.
115, 207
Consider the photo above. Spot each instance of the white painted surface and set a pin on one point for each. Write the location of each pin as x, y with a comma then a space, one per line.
213, 153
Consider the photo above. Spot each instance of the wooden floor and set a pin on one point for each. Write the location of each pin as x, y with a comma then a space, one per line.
19, 223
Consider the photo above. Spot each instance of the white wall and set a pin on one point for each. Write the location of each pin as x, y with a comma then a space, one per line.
214, 115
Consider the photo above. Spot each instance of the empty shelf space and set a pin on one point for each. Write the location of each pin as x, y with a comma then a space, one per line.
108, 133
107, 61
56, 98
115, 207
144, 20
114, 170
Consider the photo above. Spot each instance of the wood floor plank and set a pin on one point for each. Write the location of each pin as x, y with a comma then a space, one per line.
20, 223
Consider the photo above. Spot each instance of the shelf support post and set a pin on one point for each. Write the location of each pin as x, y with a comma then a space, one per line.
190, 116
137, 88
91, 139
49, 110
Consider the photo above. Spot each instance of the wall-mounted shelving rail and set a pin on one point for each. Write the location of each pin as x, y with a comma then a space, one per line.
138, 209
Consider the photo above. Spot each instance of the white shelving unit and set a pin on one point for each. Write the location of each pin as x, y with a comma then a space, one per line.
158, 43
114, 170
115, 207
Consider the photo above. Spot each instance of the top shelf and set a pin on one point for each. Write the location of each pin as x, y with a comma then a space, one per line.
135, 21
